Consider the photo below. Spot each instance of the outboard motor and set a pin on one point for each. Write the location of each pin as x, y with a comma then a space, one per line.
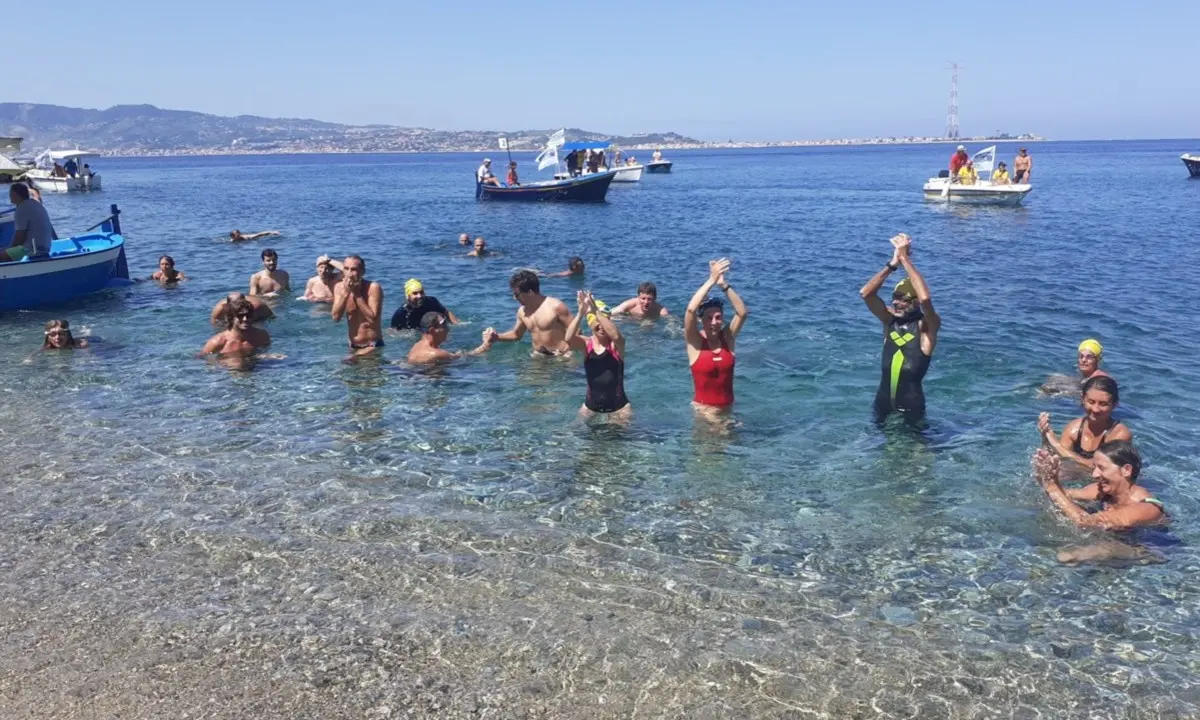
943, 173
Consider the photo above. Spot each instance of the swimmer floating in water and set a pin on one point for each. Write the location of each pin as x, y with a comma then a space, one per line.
1100, 397
435, 330
166, 273
58, 337
574, 267
1087, 361
239, 236
910, 329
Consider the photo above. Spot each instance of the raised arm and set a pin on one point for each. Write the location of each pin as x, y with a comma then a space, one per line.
931, 322
691, 324
341, 298
1061, 444
739, 308
1047, 468
610, 328
870, 292
572, 338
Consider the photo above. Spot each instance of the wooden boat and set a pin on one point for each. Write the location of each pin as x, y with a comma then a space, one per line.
585, 188
658, 166
76, 266
1193, 164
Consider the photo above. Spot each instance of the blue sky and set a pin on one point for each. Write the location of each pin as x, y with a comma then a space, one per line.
715, 70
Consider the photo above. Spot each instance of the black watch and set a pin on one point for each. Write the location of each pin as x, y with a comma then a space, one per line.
892, 267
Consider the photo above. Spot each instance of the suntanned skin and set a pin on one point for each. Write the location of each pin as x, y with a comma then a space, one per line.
239, 236
270, 280
545, 318
360, 301
1099, 406
643, 306
167, 273
320, 286
1113, 486
239, 340
1023, 163
428, 350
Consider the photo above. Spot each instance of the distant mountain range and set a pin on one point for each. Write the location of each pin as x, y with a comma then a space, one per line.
148, 130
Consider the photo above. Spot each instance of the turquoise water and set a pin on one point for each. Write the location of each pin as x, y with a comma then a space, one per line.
824, 564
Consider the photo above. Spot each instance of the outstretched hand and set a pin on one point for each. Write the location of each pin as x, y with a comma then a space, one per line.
586, 303
490, 335
717, 269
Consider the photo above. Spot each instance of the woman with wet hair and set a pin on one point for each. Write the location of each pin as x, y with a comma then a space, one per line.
1124, 503
166, 273
1082, 436
58, 337
710, 342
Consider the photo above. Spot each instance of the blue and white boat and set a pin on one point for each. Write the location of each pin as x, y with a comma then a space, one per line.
76, 266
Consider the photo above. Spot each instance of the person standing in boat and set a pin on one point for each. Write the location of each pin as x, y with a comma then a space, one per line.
511, 180
71, 167
710, 343
657, 156
1023, 166
573, 163
957, 161
484, 173
33, 231
910, 330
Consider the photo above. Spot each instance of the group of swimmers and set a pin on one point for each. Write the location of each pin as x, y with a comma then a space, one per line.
1096, 443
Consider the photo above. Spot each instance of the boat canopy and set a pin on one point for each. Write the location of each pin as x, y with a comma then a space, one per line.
69, 154
586, 145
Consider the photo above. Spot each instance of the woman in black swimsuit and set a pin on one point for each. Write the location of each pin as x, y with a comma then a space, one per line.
603, 359
1082, 436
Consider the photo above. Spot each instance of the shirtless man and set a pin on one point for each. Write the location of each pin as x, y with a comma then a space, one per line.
270, 281
262, 311
361, 302
464, 239
545, 318
1022, 167
239, 338
644, 306
480, 248
320, 286
239, 236
574, 267
435, 329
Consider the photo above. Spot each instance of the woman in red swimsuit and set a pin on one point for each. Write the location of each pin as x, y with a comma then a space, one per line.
710, 342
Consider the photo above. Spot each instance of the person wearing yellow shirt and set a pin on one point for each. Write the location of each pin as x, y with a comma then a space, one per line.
1000, 175
967, 174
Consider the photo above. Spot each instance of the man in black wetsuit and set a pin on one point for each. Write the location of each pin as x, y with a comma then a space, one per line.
416, 305
910, 328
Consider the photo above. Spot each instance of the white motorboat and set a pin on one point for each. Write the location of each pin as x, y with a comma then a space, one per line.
51, 174
10, 169
1193, 164
629, 173
981, 192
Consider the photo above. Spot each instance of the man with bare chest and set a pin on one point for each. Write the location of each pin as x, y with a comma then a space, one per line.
270, 281
239, 338
544, 318
1023, 167
360, 301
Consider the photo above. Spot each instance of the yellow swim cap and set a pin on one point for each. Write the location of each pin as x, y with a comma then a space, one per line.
1093, 346
905, 286
413, 285
601, 307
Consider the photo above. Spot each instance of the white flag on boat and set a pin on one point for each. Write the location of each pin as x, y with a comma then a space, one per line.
548, 157
557, 139
503, 143
984, 161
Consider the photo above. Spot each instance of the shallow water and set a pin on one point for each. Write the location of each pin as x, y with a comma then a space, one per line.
328, 535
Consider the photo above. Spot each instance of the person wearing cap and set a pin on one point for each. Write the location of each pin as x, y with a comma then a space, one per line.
710, 343
1023, 167
910, 329
957, 161
320, 286
435, 329
484, 174
1000, 174
603, 358
416, 305
1087, 361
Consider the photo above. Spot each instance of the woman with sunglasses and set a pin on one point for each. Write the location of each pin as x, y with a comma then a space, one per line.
58, 337
910, 328
710, 343
239, 338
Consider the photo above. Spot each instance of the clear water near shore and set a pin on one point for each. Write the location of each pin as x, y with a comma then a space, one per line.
352, 537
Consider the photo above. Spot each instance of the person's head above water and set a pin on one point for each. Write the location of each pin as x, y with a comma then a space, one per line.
1090, 351
524, 282
647, 295
1100, 395
575, 265
904, 298
414, 291
238, 314
711, 314
480, 245
1116, 466
58, 335
166, 262
270, 259
464, 239
435, 325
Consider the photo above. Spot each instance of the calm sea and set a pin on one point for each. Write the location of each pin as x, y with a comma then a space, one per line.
366, 539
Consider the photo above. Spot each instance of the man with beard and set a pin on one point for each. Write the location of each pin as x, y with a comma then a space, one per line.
416, 304
270, 281
320, 286
360, 301
910, 328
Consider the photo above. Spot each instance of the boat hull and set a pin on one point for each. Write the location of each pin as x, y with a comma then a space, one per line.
583, 189
980, 194
76, 267
1193, 164
629, 174
662, 166
48, 184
